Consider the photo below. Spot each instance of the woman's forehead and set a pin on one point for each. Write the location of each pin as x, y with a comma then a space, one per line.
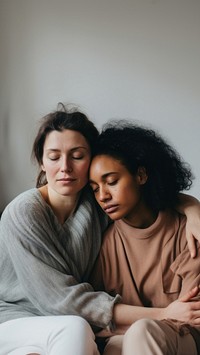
67, 137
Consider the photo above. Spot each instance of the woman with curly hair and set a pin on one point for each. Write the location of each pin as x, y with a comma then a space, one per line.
50, 236
136, 177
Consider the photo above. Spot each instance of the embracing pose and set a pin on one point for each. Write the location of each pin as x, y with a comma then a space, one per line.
50, 237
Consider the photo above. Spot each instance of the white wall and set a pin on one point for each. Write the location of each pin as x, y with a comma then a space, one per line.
114, 58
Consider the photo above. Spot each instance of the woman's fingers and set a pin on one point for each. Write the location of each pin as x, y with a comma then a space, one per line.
190, 294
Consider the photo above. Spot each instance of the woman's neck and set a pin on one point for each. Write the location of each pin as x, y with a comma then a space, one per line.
62, 206
142, 217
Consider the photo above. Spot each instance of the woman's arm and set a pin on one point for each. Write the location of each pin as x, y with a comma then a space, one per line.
185, 309
190, 207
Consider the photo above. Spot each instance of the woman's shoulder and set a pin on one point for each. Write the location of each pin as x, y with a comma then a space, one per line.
26, 203
25, 218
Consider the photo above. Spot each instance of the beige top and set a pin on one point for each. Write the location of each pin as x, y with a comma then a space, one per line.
148, 267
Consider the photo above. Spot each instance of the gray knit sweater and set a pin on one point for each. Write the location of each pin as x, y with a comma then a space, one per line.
44, 265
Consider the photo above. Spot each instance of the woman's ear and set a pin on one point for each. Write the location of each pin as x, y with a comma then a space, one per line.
142, 175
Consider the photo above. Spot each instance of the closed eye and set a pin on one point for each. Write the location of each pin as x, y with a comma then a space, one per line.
112, 183
77, 158
94, 188
54, 158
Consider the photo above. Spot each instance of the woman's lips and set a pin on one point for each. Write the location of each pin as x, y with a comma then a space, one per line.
66, 180
110, 208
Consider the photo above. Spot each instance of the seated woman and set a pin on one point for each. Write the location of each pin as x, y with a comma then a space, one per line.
136, 177
50, 237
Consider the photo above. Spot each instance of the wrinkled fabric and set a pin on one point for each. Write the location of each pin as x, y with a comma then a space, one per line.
148, 267
45, 265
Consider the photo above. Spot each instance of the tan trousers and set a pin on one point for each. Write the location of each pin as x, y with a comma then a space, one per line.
148, 337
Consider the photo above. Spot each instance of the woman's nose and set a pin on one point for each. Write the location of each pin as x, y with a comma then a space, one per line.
104, 195
66, 166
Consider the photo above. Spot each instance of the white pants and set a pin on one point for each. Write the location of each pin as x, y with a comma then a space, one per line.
149, 337
50, 335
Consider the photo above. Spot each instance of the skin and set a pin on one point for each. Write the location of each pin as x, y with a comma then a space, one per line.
66, 160
119, 194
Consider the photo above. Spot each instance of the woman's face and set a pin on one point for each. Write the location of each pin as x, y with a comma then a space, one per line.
66, 160
116, 190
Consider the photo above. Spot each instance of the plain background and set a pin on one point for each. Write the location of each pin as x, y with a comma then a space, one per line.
136, 59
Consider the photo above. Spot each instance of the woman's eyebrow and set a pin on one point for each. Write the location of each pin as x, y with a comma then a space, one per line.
52, 150
79, 147
72, 149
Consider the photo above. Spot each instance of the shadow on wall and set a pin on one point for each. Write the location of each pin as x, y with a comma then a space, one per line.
2, 197
4, 153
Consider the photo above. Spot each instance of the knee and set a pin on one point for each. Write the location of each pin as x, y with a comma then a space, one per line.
80, 323
140, 329
80, 329
70, 327
70, 324
72, 334
147, 337
79, 326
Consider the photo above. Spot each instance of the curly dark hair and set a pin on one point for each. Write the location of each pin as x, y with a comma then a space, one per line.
59, 120
137, 146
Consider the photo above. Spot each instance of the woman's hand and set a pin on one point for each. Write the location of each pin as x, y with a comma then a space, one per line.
185, 309
190, 207
193, 230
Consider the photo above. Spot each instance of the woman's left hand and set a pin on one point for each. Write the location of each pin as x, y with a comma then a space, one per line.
190, 207
193, 230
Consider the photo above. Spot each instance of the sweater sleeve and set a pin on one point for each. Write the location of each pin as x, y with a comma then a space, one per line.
42, 276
